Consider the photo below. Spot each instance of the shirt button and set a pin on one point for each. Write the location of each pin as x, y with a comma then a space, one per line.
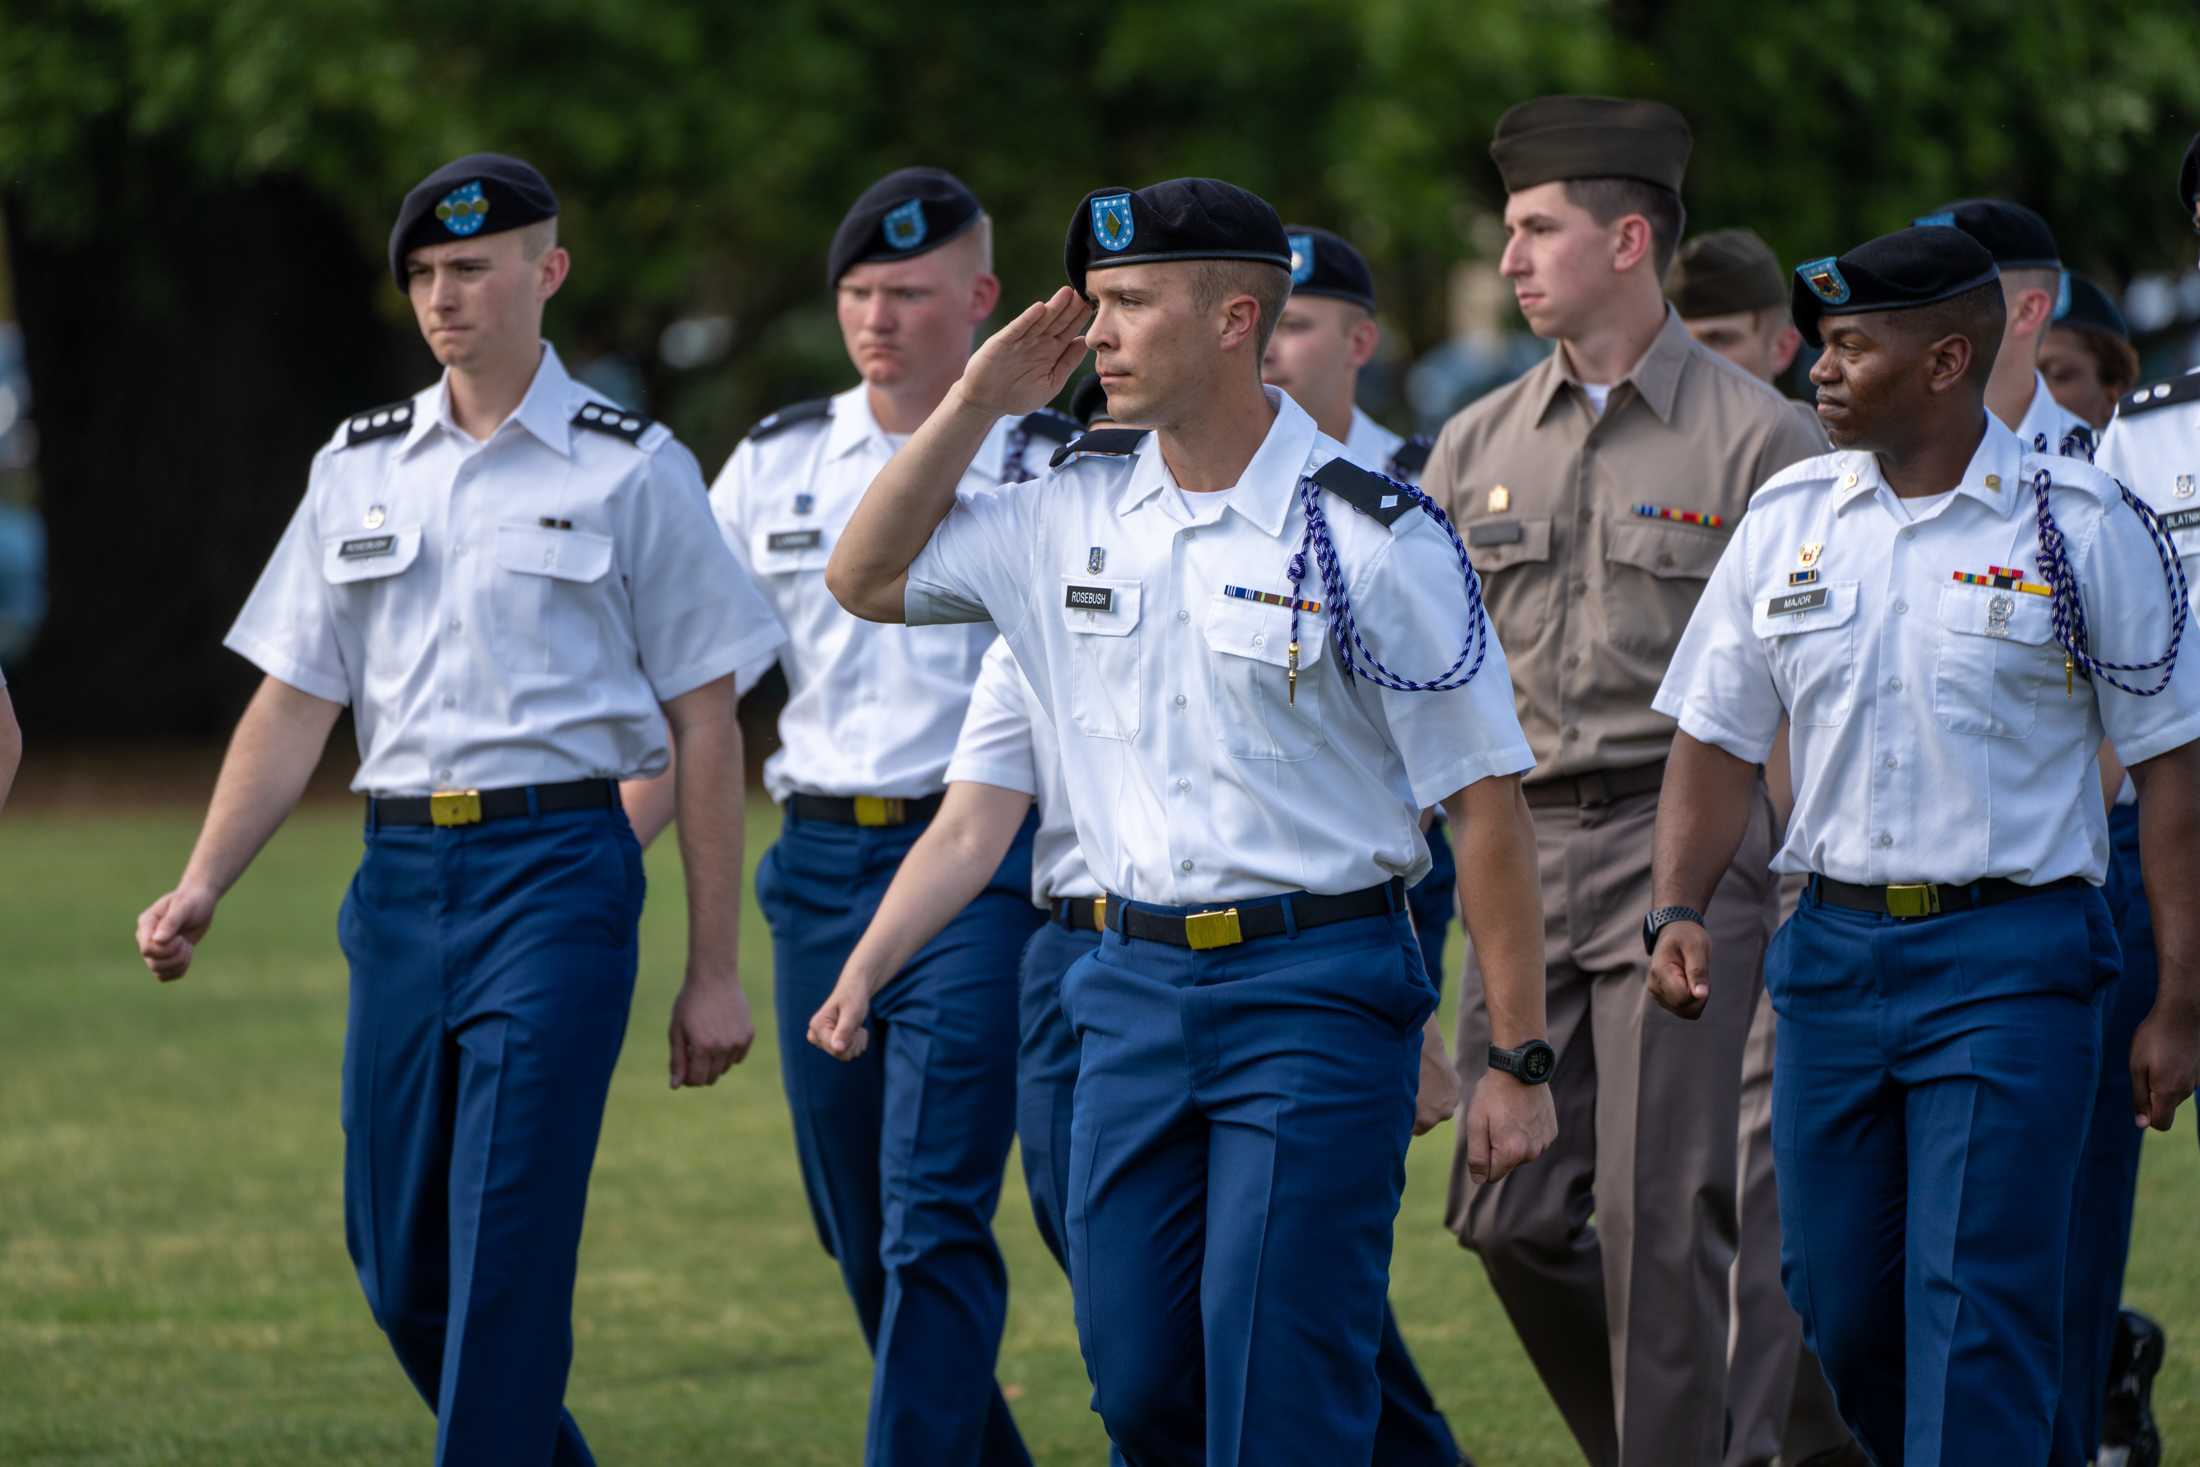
1886, 840
1579, 588
1893, 763
1183, 865
1585, 517
1895, 683
1183, 784
1566, 736
449, 701
443, 775
1260, 641
1184, 616
1180, 700
458, 549
1900, 607
1569, 661
456, 624
1665, 561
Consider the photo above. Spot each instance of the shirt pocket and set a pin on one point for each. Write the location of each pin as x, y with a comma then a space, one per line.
1249, 646
1100, 617
1811, 650
1511, 555
364, 571
1995, 651
545, 604
1654, 576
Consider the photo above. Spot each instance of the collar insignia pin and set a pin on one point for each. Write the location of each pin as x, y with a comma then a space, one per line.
1500, 499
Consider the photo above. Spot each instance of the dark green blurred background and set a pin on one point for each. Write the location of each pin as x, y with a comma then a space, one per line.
196, 195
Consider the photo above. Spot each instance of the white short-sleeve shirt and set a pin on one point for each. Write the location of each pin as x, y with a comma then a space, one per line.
1007, 742
1932, 736
508, 612
1135, 611
871, 709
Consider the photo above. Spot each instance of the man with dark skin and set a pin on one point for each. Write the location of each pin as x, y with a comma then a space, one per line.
1923, 1037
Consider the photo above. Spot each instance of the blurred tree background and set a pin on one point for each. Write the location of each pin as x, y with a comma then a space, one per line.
196, 195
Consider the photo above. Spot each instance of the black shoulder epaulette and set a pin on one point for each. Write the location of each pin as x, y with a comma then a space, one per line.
787, 417
378, 422
1412, 455
1099, 440
1378, 498
602, 417
1047, 423
2161, 394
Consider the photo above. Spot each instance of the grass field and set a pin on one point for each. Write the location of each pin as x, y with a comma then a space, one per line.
173, 1285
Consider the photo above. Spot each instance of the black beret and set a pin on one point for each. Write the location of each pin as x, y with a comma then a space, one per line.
1550, 139
1088, 399
481, 193
2087, 307
1183, 219
905, 214
1726, 271
1323, 263
2017, 238
2188, 180
1895, 272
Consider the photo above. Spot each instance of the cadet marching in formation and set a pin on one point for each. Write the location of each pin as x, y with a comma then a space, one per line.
1135, 762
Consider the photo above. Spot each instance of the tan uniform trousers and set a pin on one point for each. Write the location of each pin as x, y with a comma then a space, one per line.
1612, 1253
1779, 1398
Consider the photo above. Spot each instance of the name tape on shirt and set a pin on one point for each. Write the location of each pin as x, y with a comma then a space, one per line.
794, 539
1799, 601
366, 547
2181, 519
1090, 598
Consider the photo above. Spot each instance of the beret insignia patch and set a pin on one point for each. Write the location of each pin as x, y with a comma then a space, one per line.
1824, 279
1302, 258
464, 209
904, 225
1112, 226
1945, 218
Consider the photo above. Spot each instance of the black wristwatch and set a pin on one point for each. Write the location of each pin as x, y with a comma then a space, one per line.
1660, 918
1530, 1064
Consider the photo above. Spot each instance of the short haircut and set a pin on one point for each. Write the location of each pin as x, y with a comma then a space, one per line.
2113, 357
979, 240
539, 238
1978, 315
1608, 199
1215, 281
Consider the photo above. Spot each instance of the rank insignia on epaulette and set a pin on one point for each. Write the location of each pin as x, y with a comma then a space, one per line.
380, 423
1803, 578
2184, 486
1680, 516
1272, 598
619, 423
804, 503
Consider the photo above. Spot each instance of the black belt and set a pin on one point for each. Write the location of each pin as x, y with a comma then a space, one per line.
1082, 914
1261, 917
1601, 787
472, 807
1922, 899
866, 810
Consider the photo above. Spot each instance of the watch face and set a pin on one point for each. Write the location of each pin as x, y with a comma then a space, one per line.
1537, 1063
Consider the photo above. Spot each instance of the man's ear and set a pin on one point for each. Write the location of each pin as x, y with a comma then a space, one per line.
1361, 341
556, 264
1784, 348
1632, 243
985, 294
1240, 321
1948, 362
2035, 308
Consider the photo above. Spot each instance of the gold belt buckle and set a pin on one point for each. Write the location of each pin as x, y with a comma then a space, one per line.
1204, 930
880, 810
455, 807
1100, 914
1913, 900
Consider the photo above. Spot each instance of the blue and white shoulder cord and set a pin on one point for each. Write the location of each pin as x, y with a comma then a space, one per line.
2069, 612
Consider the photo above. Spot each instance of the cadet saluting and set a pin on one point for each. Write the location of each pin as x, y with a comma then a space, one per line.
1949, 622
516, 586
1201, 608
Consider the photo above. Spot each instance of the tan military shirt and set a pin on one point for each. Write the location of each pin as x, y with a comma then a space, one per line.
1589, 593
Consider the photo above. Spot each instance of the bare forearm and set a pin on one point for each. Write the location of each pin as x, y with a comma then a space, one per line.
710, 791
2169, 833
1501, 903
2112, 774
947, 867
273, 753
651, 803
1703, 811
11, 747
903, 506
